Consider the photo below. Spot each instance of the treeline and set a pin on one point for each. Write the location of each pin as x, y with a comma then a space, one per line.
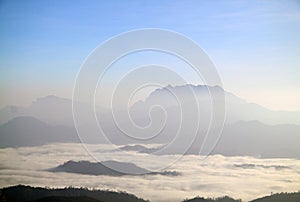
279, 197
21, 193
219, 199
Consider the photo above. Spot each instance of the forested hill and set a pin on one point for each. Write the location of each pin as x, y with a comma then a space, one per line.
280, 197
21, 193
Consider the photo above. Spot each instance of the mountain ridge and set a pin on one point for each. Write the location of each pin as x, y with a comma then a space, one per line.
57, 110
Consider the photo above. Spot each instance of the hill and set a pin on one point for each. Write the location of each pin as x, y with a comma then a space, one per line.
280, 197
110, 168
21, 193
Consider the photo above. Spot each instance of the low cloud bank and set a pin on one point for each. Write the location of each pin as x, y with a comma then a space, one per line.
216, 175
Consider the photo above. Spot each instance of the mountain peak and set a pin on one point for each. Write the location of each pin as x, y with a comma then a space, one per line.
51, 98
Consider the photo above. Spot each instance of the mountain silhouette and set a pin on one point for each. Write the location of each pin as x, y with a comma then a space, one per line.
237, 109
55, 110
138, 148
51, 121
250, 138
110, 168
21, 193
49, 109
253, 138
29, 131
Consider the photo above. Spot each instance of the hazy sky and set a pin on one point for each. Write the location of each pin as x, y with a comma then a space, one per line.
254, 44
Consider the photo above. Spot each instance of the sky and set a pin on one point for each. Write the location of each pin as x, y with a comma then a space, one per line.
255, 45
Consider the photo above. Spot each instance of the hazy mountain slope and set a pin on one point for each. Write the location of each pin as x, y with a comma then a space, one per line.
253, 138
257, 139
29, 131
50, 109
56, 110
243, 138
236, 108
238, 137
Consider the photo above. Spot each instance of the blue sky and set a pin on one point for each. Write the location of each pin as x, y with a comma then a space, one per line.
255, 44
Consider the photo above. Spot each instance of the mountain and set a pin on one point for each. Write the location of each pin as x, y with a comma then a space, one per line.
138, 148
29, 131
110, 168
261, 140
55, 110
50, 109
160, 119
244, 138
250, 138
21, 193
237, 109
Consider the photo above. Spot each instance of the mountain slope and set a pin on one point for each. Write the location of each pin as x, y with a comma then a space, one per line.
257, 139
250, 138
237, 109
56, 110
29, 131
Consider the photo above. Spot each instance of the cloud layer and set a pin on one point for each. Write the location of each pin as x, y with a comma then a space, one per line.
239, 177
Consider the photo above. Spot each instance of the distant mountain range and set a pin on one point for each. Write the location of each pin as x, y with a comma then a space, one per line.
21, 193
58, 111
110, 168
249, 128
237, 109
50, 109
250, 138
242, 138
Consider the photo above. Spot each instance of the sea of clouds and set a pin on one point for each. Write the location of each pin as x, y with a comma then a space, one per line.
239, 177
